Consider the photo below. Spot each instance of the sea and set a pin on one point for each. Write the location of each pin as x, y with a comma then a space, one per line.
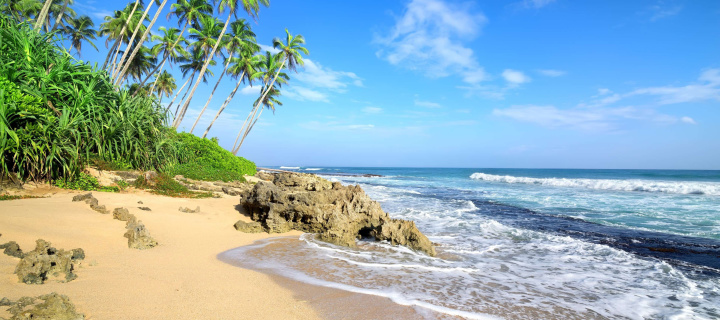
527, 243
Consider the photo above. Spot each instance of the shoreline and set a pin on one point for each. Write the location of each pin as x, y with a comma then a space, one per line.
181, 278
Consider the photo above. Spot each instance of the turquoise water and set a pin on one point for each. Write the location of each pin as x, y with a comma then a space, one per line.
531, 244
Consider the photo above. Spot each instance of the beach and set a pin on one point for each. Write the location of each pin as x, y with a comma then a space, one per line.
181, 278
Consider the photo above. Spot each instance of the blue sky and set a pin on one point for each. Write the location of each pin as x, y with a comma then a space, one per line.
435, 83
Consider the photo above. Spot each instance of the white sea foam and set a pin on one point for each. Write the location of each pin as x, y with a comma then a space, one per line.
290, 168
677, 187
313, 169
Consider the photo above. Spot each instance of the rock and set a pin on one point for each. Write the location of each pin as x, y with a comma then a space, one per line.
249, 227
188, 210
12, 249
104, 178
138, 236
100, 209
52, 306
262, 175
77, 254
231, 191
46, 262
144, 208
92, 201
5, 302
140, 202
121, 214
338, 214
150, 177
83, 197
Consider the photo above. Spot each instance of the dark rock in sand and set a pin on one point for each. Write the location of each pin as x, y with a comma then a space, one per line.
100, 209
83, 197
12, 249
46, 262
121, 214
262, 175
51, 306
92, 201
5, 302
338, 214
140, 202
249, 227
188, 210
144, 208
138, 236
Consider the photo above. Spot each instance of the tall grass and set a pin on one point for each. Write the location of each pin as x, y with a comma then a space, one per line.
56, 112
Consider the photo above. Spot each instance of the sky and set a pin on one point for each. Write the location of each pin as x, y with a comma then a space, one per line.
501, 84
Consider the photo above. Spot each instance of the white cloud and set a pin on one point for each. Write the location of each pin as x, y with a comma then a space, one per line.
269, 48
708, 88
314, 74
660, 11
305, 94
688, 120
372, 110
536, 4
427, 104
514, 77
551, 72
429, 37
335, 126
248, 90
360, 126
603, 91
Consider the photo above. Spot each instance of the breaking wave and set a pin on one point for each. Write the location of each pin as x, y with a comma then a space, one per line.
677, 187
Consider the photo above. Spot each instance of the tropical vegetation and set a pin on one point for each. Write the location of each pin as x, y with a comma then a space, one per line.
59, 114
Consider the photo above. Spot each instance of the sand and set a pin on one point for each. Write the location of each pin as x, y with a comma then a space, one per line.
180, 279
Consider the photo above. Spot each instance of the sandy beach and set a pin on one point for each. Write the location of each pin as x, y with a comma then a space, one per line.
181, 278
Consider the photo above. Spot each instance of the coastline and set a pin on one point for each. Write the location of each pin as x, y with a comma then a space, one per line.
181, 278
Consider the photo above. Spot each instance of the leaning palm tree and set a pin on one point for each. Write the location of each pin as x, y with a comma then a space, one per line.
165, 85
62, 13
118, 68
269, 100
240, 36
40, 18
246, 67
291, 54
251, 7
141, 64
170, 45
80, 30
26, 9
116, 27
192, 65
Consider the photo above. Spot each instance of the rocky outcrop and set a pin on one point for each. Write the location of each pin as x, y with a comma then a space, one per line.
12, 249
122, 214
51, 306
188, 210
232, 188
138, 236
46, 262
249, 227
338, 214
92, 201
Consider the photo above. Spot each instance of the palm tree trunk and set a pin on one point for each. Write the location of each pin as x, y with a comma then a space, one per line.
142, 40
159, 66
227, 101
59, 17
40, 19
110, 54
183, 98
227, 63
178, 93
237, 148
158, 77
132, 38
118, 44
202, 71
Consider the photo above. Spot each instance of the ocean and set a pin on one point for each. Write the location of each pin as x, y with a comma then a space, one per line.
528, 243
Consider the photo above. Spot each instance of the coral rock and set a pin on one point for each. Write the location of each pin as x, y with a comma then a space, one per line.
51, 306
138, 236
46, 262
12, 249
248, 227
188, 210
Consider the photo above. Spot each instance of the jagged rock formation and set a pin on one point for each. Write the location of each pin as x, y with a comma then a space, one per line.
92, 201
46, 262
188, 210
249, 227
5, 302
138, 236
145, 208
338, 214
232, 188
12, 249
122, 214
51, 306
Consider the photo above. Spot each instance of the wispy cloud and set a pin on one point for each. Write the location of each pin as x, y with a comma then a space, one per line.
514, 77
707, 88
427, 104
551, 72
372, 110
248, 90
314, 74
688, 120
304, 94
429, 37
335, 126
662, 10
535, 4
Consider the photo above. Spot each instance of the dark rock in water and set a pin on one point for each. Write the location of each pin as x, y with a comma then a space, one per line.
338, 214
5, 302
249, 227
46, 262
51, 306
188, 210
138, 236
121, 214
144, 208
12, 249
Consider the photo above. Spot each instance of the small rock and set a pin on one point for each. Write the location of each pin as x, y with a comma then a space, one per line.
121, 214
138, 236
248, 227
53, 306
230, 191
144, 208
82, 197
100, 209
150, 177
39, 265
78, 254
140, 202
5, 302
12, 249
188, 210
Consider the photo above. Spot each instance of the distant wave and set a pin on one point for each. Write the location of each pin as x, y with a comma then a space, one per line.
293, 168
313, 169
679, 187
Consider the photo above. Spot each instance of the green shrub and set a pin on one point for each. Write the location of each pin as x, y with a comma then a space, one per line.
5, 197
167, 186
204, 159
85, 182
197, 171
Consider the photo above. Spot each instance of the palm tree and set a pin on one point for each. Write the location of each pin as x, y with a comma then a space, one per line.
120, 64
62, 12
116, 27
170, 46
27, 9
40, 18
192, 65
291, 53
144, 36
205, 35
251, 7
240, 36
245, 67
189, 12
80, 30
165, 85
141, 64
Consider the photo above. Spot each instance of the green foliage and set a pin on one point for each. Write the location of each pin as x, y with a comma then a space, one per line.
165, 185
85, 182
55, 112
204, 159
5, 197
